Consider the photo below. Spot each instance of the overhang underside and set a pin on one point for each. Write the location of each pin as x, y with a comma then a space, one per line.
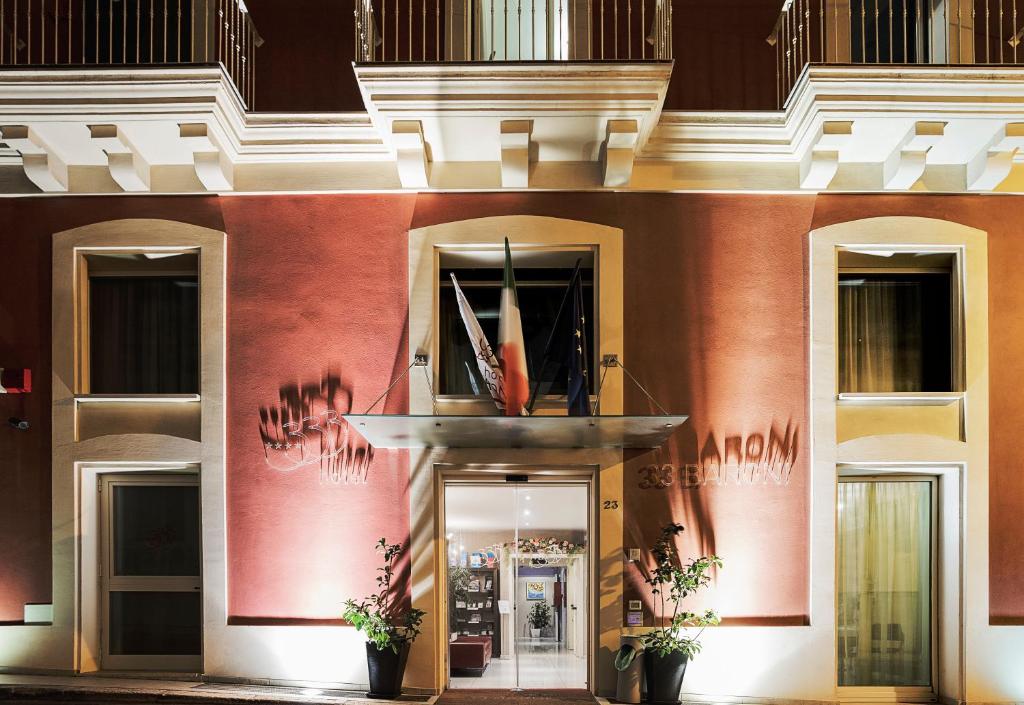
565, 432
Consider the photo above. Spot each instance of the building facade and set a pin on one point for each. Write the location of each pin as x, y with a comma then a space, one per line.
242, 343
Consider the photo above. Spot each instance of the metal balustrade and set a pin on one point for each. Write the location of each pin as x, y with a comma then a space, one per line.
944, 32
436, 31
37, 33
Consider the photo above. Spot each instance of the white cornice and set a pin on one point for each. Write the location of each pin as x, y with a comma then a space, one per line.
461, 108
844, 128
166, 119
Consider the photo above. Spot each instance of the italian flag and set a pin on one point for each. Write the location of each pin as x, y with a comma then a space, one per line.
511, 347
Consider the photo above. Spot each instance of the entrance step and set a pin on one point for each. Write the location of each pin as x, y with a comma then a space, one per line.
525, 697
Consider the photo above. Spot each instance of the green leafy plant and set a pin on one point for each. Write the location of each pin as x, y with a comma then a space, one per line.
671, 581
379, 616
540, 615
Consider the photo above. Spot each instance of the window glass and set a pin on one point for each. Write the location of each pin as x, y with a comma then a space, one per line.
156, 530
540, 292
884, 619
156, 623
895, 332
143, 326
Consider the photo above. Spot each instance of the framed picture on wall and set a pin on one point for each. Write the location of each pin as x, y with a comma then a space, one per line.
535, 590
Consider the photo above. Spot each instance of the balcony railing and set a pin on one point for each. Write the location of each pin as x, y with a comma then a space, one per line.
512, 30
132, 32
985, 32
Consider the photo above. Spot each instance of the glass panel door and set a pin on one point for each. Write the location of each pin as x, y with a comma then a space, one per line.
518, 582
551, 586
151, 573
885, 579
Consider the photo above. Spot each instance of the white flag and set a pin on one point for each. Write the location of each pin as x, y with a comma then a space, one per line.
486, 361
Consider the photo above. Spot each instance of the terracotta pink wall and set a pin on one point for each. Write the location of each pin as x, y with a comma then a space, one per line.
317, 309
716, 306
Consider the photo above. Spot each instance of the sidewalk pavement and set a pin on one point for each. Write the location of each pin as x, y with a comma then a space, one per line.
104, 690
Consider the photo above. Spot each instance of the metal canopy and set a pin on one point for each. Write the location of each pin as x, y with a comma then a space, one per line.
399, 431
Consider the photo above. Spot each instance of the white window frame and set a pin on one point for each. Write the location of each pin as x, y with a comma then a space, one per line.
76, 462
109, 582
522, 231
915, 694
957, 346
544, 401
83, 317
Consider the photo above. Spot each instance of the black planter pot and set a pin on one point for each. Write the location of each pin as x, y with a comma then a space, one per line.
664, 675
386, 670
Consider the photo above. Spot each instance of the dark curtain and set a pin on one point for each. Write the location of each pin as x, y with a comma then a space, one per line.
894, 333
144, 335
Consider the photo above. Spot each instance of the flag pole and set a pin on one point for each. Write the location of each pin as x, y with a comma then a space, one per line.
551, 337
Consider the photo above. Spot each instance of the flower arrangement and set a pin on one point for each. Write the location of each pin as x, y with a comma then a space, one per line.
549, 545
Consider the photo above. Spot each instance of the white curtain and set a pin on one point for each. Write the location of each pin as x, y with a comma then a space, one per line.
880, 346
884, 583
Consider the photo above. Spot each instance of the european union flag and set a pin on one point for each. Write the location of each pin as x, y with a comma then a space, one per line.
567, 345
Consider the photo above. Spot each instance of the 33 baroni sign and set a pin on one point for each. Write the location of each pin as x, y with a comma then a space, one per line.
756, 459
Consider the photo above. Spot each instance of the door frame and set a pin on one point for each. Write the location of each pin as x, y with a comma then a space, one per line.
107, 661
538, 475
898, 693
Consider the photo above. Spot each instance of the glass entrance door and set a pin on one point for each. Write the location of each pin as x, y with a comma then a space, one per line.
885, 582
518, 585
151, 573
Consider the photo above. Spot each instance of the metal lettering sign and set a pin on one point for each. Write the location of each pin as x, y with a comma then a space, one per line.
321, 440
305, 429
753, 460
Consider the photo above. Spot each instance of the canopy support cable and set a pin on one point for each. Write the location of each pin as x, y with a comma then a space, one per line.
417, 361
614, 361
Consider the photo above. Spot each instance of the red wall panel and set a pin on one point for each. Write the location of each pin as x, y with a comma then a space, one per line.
25, 341
24, 455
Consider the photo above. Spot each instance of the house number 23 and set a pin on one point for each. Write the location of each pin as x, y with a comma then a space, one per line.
611, 504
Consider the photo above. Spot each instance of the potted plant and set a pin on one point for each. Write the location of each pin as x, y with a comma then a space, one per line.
669, 647
389, 632
539, 618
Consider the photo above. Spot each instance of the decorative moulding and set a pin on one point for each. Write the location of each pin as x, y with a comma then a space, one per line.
476, 112
490, 126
